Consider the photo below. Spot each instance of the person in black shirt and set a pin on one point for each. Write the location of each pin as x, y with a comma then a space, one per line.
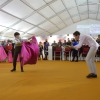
54, 44
65, 43
75, 52
41, 50
69, 42
98, 39
59, 43
46, 44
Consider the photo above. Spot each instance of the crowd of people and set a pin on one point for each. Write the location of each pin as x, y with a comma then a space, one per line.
9, 46
69, 42
44, 46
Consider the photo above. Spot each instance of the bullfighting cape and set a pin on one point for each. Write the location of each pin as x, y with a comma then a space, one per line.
3, 54
29, 52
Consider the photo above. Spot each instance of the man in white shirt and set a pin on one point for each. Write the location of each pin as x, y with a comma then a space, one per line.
86, 39
18, 46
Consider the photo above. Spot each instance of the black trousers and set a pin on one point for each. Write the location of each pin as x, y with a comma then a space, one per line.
16, 52
46, 54
41, 54
75, 54
13, 52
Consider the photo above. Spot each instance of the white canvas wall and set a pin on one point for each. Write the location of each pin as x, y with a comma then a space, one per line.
88, 26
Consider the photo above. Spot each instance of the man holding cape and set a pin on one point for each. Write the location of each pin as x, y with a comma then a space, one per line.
28, 51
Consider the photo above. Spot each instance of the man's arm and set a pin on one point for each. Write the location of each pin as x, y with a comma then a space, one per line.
27, 40
82, 39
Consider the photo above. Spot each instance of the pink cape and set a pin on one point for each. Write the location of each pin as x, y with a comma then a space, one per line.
29, 52
3, 54
10, 58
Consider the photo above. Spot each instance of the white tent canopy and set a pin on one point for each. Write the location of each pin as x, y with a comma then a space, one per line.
44, 17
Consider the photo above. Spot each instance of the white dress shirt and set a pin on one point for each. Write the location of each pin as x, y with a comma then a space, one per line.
16, 40
86, 39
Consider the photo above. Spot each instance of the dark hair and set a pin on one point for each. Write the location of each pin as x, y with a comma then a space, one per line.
16, 33
8, 40
76, 33
73, 40
44, 43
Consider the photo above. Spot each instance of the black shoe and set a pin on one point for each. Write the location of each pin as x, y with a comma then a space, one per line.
76, 61
22, 70
13, 70
44, 59
91, 75
72, 60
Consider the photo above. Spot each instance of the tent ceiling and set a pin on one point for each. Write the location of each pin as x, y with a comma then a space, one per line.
44, 17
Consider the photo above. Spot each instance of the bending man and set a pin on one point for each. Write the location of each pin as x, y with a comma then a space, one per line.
86, 39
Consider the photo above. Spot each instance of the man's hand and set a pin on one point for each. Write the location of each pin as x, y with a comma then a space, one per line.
28, 41
29, 38
19, 43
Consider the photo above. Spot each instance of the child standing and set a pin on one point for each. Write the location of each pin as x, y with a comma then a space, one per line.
18, 46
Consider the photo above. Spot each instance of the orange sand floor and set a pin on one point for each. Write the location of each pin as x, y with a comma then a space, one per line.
49, 80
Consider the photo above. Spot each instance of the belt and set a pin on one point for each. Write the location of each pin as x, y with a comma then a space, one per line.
16, 45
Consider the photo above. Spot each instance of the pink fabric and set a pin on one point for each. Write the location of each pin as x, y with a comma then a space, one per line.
29, 52
3, 54
10, 58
